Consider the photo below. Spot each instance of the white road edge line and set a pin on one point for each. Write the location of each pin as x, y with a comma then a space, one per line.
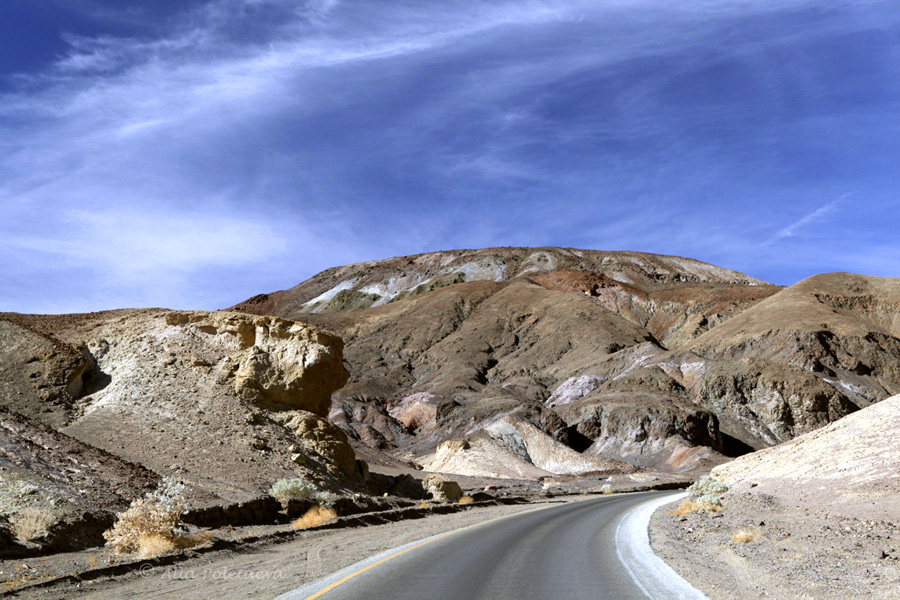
649, 572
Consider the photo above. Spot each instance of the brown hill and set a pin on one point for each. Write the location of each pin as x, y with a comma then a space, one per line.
656, 361
375, 283
799, 359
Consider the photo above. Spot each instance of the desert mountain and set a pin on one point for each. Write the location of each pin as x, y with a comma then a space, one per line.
462, 360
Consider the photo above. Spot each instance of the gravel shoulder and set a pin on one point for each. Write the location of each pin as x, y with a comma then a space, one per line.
268, 568
801, 552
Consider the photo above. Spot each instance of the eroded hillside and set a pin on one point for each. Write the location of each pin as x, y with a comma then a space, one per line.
653, 361
96, 408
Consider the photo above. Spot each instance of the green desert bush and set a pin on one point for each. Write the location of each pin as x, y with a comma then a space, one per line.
287, 489
707, 486
301, 489
705, 497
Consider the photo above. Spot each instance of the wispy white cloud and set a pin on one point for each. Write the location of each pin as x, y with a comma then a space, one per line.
811, 218
234, 134
129, 244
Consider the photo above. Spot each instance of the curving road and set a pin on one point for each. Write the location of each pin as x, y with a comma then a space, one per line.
567, 551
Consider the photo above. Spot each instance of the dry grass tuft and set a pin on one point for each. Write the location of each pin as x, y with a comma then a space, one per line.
315, 516
189, 541
424, 504
150, 545
745, 536
466, 500
32, 523
688, 506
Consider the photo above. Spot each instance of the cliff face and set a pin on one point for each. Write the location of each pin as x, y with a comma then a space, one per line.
655, 361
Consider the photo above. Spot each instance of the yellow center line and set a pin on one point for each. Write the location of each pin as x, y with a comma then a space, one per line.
384, 560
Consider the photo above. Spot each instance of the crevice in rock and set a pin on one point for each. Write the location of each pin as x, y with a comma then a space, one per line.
733, 447
577, 440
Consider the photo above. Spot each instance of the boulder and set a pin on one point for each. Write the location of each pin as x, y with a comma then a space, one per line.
441, 488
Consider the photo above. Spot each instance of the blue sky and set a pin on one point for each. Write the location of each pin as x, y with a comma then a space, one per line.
191, 154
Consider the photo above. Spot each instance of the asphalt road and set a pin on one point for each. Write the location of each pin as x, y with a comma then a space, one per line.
565, 552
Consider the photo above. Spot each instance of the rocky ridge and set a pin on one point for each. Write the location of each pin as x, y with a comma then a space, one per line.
658, 362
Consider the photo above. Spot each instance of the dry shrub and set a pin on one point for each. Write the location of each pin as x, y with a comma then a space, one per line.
32, 523
157, 515
424, 504
466, 500
745, 536
688, 506
315, 516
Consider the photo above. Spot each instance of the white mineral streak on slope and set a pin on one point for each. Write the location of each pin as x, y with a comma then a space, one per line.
540, 262
639, 362
380, 289
843, 384
574, 388
481, 271
327, 296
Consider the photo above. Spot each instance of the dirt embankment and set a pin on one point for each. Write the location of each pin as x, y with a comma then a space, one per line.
814, 518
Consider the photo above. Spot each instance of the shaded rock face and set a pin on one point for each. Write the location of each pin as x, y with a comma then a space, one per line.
34, 366
8, 542
657, 361
369, 424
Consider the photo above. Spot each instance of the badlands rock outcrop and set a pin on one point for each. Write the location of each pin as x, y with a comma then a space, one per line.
378, 282
659, 362
109, 402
